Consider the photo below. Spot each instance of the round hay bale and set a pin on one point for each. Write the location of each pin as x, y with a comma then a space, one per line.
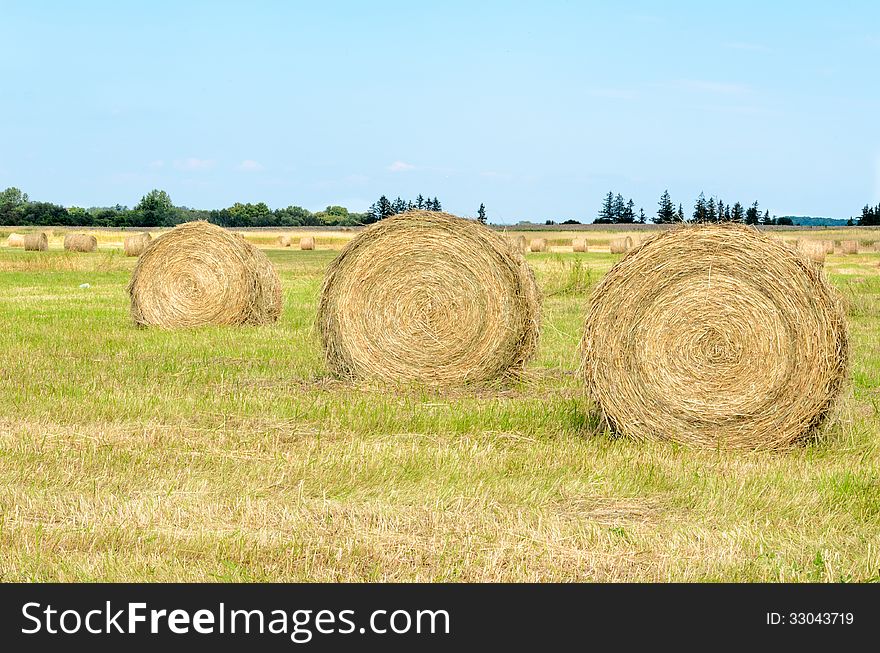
538, 245
715, 336
15, 240
430, 298
828, 245
80, 243
621, 245
135, 244
199, 274
285, 241
519, 244
812, 250
307, 242
579, 245
849, 247
36, 242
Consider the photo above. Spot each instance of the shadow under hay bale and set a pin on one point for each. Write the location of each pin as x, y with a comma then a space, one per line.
307, 243
430, 298
135, 245
739, 343
37, 242
80, 243
538, 245
200, 274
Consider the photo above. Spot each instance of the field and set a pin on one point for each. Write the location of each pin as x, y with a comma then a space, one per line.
231, 455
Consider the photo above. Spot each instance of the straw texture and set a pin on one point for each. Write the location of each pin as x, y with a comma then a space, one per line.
579, 245
80, 243
15, 240
538, 245
621, 245
849, 247
715, 336
135, 244
199, 274
430, 298
284, 241
307, 242
36, 242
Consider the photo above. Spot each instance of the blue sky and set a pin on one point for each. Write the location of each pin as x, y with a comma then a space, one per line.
535, 109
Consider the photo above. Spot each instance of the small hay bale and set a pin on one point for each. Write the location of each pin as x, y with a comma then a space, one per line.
307, 242
621, 245
135, 244
715, 336
80, 243
199, 274
430, 298
579, 245
813, 250
15, 240
538, 245
285, 241
828, 245
849, 247
36, 242
519, 244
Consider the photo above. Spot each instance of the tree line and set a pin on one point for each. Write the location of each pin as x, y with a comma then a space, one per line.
615, 210
870, 216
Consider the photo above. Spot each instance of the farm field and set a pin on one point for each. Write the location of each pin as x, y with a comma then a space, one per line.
232, 455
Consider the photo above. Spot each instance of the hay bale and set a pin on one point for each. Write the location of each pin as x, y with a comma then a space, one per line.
579, 245
621, 245
812, 250
793, 243
285, 241
15, 240
828, 245
430, 298
307, 242
199, 274
715, 336
135, 244
849, 247
519, 244
538, 245
36, 242
80, 243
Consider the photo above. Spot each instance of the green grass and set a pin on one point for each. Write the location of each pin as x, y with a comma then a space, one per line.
232, 454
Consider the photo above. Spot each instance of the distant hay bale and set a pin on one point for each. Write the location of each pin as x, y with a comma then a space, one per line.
36, 242
80, 243
15, 240
621, 245
849, 247
538, 245
813, 250
284, 241
792, 243
307, 242
715, 336
828, 246
519, 244
579, 245
200, 274
135, 244
429, 298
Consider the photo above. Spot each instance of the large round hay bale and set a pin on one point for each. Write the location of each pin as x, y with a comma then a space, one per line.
80, 243
621, 245
307, 242
715, 336
15, 240
430, 298
579, 245
36, 242
849, 247
285, 241
812, 250
538, 245
135, 244
199, 274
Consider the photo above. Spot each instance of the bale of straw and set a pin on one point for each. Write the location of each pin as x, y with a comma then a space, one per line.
579, 245
538, 245
430, 298
15, 240
715, 336
621, 245
36, 242
812, 250
849, 247
284, 241
199, 274
80, 243
307, 242
828, 245
519, 244
135, 244
793, 243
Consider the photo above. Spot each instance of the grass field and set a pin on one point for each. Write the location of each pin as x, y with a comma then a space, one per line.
231, 455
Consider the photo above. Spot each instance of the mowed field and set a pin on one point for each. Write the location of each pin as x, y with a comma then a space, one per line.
226, 454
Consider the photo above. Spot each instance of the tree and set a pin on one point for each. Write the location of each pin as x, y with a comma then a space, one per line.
481, 214
642, 215
11, 200
155, 210
700, 210
752, 214
720, 211
665, 209
766, 219
435, 205
398, 206
420, 202
606, 213
711, 212
629, 214
619, 208
679, 216
737, 214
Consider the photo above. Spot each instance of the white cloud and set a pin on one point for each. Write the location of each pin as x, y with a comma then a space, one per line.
400, 166
250, 165
193, 163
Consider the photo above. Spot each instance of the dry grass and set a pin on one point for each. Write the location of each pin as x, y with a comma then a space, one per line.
431, 298
715, 336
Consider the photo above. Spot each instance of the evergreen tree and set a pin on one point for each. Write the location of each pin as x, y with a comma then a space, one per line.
679, 217
435, 205
720, 211
619, 208
766, 219
481, 214
727, 213
420, 202
665, 209
606, 213
642, 216
711, 212
398, 206
700, 209
629, 214
738, 214
752, 214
